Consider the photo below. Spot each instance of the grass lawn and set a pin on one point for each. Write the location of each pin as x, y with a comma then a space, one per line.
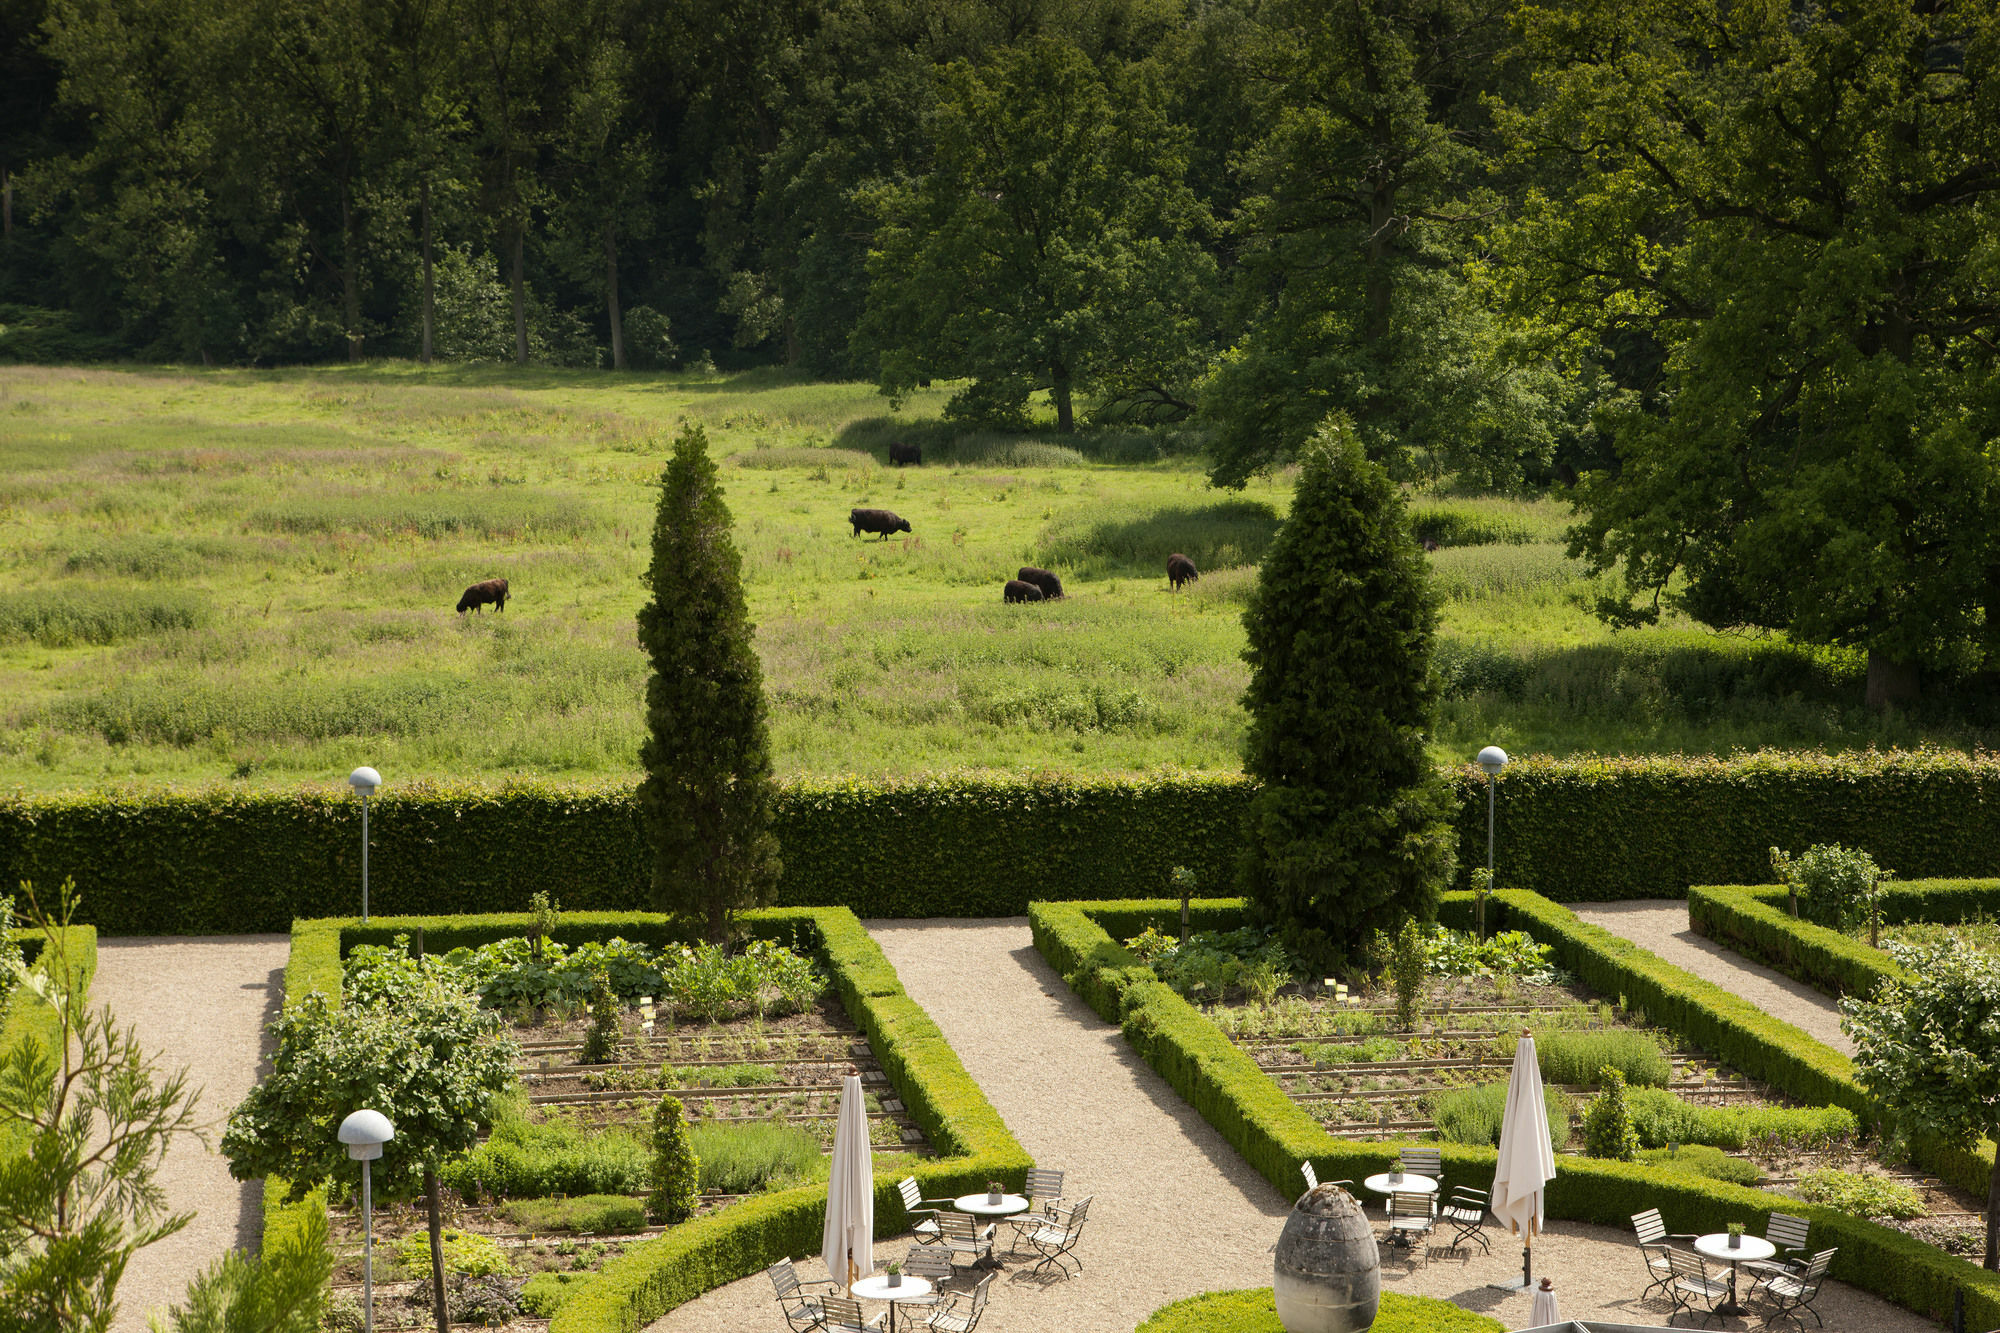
250, 575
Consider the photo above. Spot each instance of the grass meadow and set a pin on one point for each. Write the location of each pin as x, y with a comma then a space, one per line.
250, 575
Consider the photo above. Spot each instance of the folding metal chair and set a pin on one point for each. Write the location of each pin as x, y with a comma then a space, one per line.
1055, 1239
1789, 1293
843, 1315
1411, 1217
933, 1264
923, 1212
961, 1233
1466, 1211
1654, 1246
803, 1309
960, 1311
1692, 1283
1788, 1234
1044, 1188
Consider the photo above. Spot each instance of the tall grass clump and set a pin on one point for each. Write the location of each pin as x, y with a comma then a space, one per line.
72, 617
525, 1161
743, 1159
1478, 525
591, 1214
1574, 1057
1661, 1118
1472, 1115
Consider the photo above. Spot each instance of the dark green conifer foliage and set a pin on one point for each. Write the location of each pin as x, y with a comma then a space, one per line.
707, 796
1348, 834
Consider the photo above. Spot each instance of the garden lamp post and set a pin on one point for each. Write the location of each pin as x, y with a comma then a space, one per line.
1491, 760
364, 781
364, 1133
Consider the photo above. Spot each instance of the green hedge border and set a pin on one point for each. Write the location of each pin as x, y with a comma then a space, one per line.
1229, 1090
653, 1277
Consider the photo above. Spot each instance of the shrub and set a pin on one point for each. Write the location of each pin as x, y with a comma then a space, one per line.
600, 1041
544, 1293
1574, 1057
743, 1159
1702, 1160
466, 1254
1510, 953
609, 1213
1257, 1312
1607, 1125
522, 1160
1837, 886
1473, 1115
1859, 1195
1661, 1118
1214, 963
675, 1169
1409, 966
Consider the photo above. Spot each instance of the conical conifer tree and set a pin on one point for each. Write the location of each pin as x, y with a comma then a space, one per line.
707, 797
1349, 832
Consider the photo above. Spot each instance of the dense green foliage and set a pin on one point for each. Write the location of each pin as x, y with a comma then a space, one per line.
1702, 1160
1660, 1118
1348, 832
746, 1158
1274, 1134
523, 1160
589, 1213
706, 800
1573, 1057
1836, 886
1257, 1312
1473, 1115
281, 1290
1861, 1195
675, 1171
1607, 1121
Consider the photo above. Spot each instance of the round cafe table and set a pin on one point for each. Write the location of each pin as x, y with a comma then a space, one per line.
1409, 1182
877, 1288
1716, 1246
977, 1205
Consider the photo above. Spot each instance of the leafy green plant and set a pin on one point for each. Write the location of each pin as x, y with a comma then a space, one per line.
1409, 967
675, 1174
600, 1040
1473, 1115
281, 1290
1574, 1057
1860, 1195
745, 1158
466, 1254
1607, 1122
1702, 1160
1837, 886
1661, 1117
1214, 963
544, 1294
587, 1213
1374, 1050
523, 1160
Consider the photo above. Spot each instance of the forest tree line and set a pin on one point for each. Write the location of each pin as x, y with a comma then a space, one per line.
1730, 269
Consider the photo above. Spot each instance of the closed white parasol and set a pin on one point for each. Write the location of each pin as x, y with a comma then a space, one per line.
850, 1191
1527, 1164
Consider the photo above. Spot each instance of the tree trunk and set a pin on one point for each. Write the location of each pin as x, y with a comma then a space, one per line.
438, 1304
350, 276
520, 283
430, 292
1891, 681
1059, 393
611, 296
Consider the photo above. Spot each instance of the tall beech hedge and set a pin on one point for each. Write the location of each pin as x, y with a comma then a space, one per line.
218, 859
971, 1142
1275, 1134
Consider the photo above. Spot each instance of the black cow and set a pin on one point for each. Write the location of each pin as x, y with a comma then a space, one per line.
1018, 591
883, 521
1050, 585
479, 594
1181, 570
900, 454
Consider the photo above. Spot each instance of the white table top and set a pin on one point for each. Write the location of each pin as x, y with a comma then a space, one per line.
976, 1203
877, 1288
1407, 1183
1716, 1246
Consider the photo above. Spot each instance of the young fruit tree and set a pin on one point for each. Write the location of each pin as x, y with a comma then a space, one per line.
422, 1052
1348, 833
85, 1119
1928, 1045
707, 797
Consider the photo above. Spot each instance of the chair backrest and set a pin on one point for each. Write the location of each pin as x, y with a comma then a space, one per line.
1073, 1221
1686, 1264
1410, 1205
958, 1226
1786, 1231
1650, 1228
784, 1277
842, 1312
1817, 1266
912, 1196
1312, 1176
1423, 1161
1044, 1182
980, 1293
928, 1261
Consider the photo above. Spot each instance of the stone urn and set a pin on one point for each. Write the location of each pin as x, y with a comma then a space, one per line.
1328, 1272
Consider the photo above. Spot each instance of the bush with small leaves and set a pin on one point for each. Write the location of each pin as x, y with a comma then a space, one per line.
1409, 969
1607, 1124
676, 1170
600, 1042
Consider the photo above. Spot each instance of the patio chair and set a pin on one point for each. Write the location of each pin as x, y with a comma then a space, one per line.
1466, 1211
1691, 1283
1425, 1162
1789, 1293
1788, 1233
962, 1233
1654, 1246
1044, 1190
803, 1309
1411, 1218
1055, 1239
923, 1212
959, 1312
843, 1315
933, 1264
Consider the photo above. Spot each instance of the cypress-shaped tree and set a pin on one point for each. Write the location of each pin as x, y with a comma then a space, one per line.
1348, 833
707, 797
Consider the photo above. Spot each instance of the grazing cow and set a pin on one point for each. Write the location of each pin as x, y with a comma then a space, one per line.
1181, 570
1050, 585
1018, 591
479, 594
1430, 544
883, 521
900, 454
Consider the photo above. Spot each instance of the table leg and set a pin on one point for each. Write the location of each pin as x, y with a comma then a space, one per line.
1730, 1307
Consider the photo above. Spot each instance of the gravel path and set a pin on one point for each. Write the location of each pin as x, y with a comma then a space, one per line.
1176, 1210
201, 1002
1661, 925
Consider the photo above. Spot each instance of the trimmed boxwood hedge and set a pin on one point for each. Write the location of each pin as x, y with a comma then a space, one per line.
1274, 1134
218, 859
972, 1143
1257, 1312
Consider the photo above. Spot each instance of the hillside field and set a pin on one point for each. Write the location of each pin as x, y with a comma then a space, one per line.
250, 575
